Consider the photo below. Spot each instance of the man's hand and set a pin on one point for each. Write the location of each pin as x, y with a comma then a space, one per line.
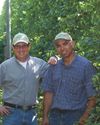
84, 118
4, 110
90, 105
52, 60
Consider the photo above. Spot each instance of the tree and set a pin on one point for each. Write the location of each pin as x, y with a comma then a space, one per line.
41, 20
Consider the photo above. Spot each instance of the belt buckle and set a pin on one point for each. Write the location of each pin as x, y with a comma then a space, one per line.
25, 107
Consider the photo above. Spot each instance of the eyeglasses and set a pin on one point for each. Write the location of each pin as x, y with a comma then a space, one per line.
21, 46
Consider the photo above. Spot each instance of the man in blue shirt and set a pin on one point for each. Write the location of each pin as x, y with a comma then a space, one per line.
69, 94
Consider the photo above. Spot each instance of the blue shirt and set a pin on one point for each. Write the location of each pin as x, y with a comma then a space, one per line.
71, 84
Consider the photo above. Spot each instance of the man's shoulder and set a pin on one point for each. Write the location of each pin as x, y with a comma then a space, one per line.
37, 60
57, 65
82, 59
8, 61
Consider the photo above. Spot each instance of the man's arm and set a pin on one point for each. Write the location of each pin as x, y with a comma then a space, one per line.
52, 61
90, 105
47, 101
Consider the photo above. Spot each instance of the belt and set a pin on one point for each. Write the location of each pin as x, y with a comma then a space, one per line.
24, 107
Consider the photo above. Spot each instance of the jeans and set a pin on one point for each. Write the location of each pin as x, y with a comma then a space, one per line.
65, 117
20, 117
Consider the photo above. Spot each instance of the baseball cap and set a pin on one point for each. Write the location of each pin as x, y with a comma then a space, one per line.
20, 37
63, 35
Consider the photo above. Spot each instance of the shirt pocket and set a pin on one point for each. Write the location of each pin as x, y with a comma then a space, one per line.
56, 80
75, 87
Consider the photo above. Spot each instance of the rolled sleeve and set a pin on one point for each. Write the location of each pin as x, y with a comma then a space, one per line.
47, 81
90, 71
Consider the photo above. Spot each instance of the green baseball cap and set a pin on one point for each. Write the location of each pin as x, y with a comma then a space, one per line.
63, 35
20, 37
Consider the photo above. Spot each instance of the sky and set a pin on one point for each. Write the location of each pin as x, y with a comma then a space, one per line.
1, 5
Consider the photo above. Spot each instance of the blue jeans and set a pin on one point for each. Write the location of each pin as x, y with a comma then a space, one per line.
20, 117
65, 117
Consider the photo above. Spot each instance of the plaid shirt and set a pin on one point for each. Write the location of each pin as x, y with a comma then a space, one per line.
71, 84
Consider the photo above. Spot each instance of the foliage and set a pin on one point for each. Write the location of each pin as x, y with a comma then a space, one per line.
41, 20
1, 50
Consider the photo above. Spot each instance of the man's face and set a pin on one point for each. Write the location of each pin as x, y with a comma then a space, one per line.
64, 48
21, 51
